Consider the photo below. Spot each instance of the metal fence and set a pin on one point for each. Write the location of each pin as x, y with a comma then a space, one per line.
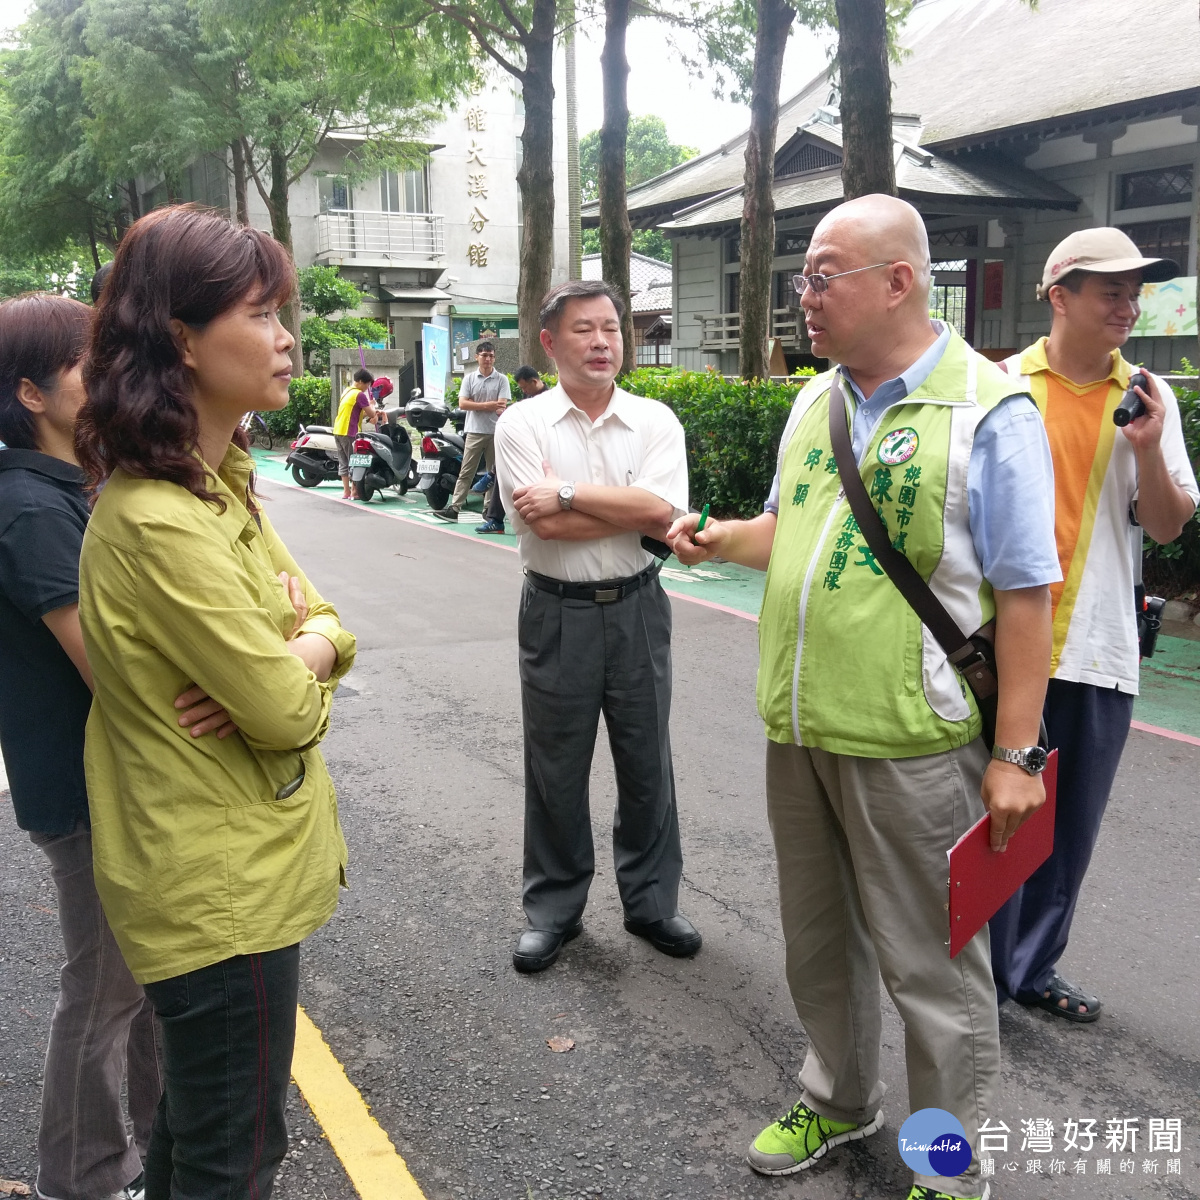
350, 233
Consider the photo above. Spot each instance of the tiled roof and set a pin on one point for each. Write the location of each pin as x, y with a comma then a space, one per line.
653, 299
644, 272
918, 175
975, 68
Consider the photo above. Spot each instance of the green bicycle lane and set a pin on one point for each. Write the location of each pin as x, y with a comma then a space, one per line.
1170, 683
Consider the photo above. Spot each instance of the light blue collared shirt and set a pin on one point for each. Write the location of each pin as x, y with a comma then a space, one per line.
1010, 477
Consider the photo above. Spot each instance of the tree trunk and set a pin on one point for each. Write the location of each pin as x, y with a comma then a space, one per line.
574, 228
616, 237
758, 210
868, 165
241, 209
536, 180
281, 231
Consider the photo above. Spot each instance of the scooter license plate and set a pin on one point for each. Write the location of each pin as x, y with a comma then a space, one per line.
428, 466
360, 460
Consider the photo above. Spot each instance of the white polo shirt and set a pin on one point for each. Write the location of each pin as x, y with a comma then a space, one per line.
635, 442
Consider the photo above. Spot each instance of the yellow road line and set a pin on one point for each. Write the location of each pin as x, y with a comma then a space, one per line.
372, 1162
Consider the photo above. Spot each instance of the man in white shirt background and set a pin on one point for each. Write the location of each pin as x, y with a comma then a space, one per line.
484, 395
586, 470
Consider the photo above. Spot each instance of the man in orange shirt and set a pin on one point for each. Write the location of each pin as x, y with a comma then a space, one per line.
1105, 480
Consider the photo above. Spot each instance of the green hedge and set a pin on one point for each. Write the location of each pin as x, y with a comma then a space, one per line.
1173, 570
732, 429
308, 404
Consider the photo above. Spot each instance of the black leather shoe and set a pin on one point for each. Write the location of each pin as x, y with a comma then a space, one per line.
675, 935
538, 949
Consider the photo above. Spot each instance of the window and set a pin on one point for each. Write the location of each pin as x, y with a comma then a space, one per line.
1150, 189
1162, 239
792, 242
404, 191
335, 193
966, 235
733, 285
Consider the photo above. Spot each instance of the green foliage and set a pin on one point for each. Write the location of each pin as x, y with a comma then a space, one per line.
649, 151
66, 273
324, 291
52, 187
318, 336
732, 429
1174, 569
308, 404
653, 243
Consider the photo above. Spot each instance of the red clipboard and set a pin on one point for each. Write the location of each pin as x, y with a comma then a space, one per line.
982, 880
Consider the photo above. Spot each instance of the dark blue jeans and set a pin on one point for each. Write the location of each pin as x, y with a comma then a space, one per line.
1089, 726
228, 1031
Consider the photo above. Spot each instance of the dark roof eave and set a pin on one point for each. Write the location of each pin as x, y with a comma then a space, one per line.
938, 200
1106, 115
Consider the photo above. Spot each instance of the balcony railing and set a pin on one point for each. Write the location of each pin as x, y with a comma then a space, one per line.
723, 332
351, 233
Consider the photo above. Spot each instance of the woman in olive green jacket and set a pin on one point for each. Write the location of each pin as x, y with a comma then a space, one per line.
215, 830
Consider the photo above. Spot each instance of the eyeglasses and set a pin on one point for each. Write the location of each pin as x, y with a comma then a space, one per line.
820, 283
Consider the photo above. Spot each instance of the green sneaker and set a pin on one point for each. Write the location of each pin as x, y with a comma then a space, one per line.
926, 1193
799, 1138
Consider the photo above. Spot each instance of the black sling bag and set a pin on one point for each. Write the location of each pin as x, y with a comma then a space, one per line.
974, 657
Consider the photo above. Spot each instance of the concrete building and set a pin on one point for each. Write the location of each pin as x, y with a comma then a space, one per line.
1012, 128
439, 244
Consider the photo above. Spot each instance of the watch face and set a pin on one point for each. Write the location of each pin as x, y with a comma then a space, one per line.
1036, 757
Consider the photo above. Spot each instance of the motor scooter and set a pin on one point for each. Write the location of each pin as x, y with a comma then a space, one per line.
383, 458
441, 449
313, 456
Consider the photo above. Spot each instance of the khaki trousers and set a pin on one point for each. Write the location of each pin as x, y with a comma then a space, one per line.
476, 446
102, 1033
861, 846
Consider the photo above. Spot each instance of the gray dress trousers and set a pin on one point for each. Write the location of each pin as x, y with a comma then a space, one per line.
578, 659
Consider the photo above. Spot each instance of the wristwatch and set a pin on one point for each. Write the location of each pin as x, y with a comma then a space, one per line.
566, 494
1031, 760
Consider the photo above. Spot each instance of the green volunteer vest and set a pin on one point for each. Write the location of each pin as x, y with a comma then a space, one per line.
844, 664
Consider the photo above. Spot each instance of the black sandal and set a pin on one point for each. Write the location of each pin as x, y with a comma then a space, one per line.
1076, 998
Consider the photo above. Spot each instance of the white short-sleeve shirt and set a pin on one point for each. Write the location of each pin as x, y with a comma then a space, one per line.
635, 442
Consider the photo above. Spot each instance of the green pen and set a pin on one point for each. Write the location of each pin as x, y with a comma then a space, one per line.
703, 518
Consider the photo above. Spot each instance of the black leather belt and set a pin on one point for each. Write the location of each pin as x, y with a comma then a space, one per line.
604, 592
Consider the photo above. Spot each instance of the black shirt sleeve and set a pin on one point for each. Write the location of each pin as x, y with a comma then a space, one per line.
39, 561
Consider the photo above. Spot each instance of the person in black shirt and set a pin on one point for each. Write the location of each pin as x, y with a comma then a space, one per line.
102, 1031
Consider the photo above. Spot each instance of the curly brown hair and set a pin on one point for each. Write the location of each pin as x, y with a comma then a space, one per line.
185, 263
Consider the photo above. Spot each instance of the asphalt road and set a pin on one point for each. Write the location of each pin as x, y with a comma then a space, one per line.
677, 1064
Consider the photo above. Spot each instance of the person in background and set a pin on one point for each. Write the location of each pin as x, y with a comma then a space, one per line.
1104, 480
102, 1031
530, 383
98, 280
484, 394
353, 408
214, 856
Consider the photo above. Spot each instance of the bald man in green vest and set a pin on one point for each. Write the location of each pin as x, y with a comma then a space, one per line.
875, 764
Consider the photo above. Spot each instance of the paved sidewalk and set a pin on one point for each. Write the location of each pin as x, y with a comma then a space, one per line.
1170, 696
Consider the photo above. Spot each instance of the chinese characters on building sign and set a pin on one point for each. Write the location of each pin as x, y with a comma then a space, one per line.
477, 185
1122, 1146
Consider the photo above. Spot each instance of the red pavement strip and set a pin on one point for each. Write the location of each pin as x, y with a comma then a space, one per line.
733, 612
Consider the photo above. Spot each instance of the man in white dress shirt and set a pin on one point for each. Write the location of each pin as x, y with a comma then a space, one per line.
586, 470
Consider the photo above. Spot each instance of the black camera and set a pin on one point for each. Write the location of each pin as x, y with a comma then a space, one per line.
1149, 620
1132, 405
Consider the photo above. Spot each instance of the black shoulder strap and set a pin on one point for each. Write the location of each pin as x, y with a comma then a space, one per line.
958, 646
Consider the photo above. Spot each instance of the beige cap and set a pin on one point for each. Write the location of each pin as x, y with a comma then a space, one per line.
1104, 250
